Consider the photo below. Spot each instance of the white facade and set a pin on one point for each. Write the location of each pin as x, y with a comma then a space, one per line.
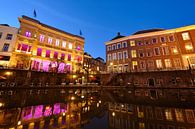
8, 37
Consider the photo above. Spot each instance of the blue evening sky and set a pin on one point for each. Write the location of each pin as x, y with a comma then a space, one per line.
100, 20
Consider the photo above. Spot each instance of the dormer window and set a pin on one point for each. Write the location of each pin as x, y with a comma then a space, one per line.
28, 34
50, 40
57, 42
42, 38
70, 45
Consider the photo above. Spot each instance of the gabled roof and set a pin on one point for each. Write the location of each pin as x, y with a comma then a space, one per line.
118, 36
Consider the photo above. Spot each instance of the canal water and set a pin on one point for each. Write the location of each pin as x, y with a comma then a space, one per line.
97, 109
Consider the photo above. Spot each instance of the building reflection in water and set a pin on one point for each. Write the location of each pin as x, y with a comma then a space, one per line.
131, 116
65, 114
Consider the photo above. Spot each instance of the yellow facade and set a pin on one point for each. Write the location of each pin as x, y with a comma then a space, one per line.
44, 48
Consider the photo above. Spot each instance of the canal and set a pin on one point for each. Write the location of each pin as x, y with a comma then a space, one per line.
97, 108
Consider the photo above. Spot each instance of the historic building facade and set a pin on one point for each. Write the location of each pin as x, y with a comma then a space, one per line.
41, 47
7, 43
152, 50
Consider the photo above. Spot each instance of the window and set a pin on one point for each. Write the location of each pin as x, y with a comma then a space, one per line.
177, 63
70, 45
133, 54
19, 46
125, 55
50, 40
114, 47
185, 36
142, 64
64, 44
154, 40
158, 63
141, 53
28, 34
5, 47
141, 126
119, 45
165, 50
62, 56
150, 64
190, 115
24, 47
114, 56
48, 53
157, 51
55, 55
171, 38
119, 55
159, 113
9, 36
147, 42
109, 57
149, 52
167, 63
39, 51
174, 50
179, 115
163, 39
188, 46
139, 43
78, 47
124, 44
42, 37
132, 43
69, 57
1, 34
57, 42
134, 64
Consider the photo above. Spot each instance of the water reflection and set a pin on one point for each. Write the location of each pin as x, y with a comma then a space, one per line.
87, 109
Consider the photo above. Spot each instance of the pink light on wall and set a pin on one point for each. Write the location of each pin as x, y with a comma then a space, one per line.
78, 48
24, 47
69, 57
28, 34
56, 109
55, 55
38, 111
39, 51
48, 111
27, 113
48, 53
62, 56
61, 68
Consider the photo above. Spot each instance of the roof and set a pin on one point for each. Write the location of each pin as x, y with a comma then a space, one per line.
50, 27
148, 31
4, 25
118, 36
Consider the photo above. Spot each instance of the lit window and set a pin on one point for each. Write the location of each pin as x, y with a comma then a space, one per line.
70, 45
9, 36
39, 51
150, 64
69, 57
62, 56
177, 63
64, 44
133, 54
50, 40
167, 63
5, 47
168, 114
48, 53
165, 50
55, 55
141, 53
188, 46
24, 47
179, 115
174, 50
142, 65
186, 36
134, 64
132, 43
141, 126
42, 38
28, 34
158, 63
57, 42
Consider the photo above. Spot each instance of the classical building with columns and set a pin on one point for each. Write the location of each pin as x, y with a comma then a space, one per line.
41, 47
152, 50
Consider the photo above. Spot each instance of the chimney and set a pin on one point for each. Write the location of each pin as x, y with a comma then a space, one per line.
119, 34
